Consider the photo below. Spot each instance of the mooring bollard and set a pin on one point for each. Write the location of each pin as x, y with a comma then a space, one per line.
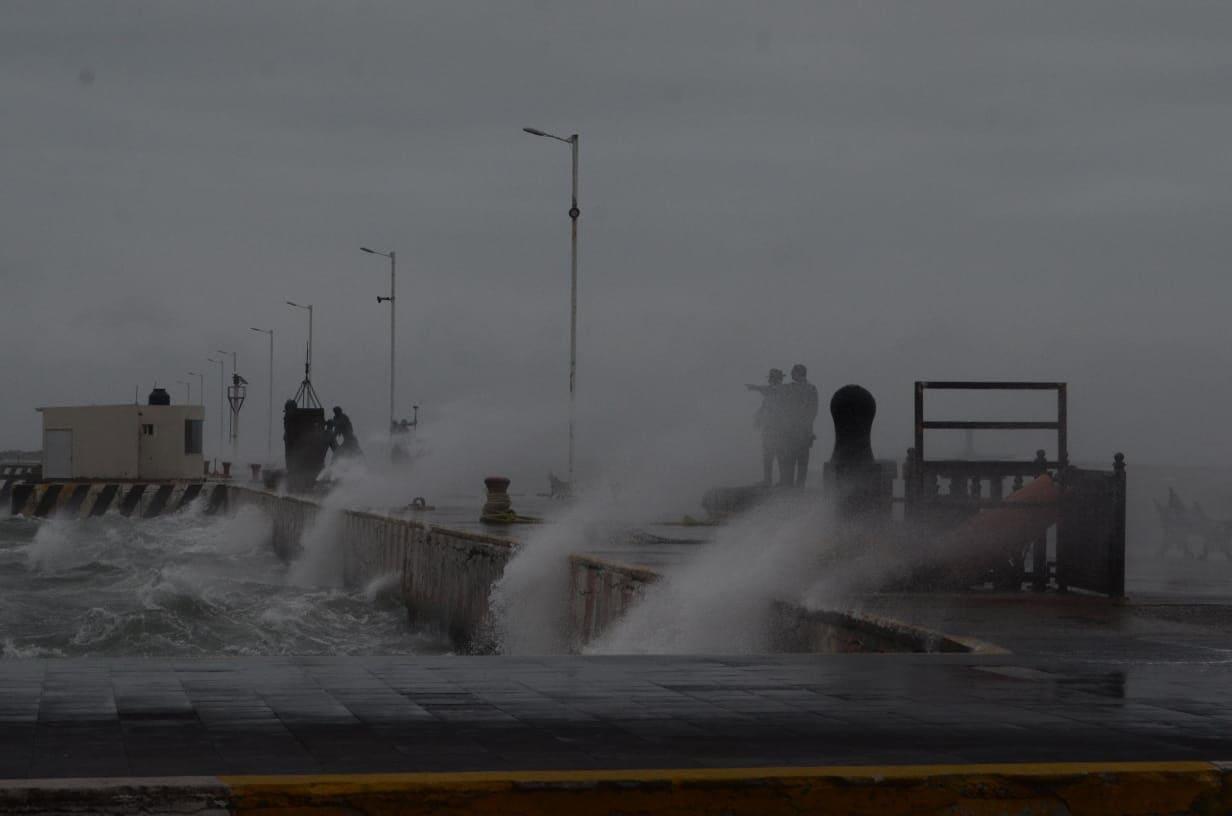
226, 470
256, 472
853, 476
498, 507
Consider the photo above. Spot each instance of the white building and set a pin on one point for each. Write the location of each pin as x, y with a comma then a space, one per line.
123, 442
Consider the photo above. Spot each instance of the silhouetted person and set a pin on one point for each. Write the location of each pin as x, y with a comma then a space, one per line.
770, 419
340, 426
800, 409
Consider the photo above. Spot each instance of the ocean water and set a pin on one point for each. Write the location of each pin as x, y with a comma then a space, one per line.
185, 584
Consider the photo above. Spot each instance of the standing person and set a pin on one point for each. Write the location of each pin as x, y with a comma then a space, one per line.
769, 418
800, 409
340, 426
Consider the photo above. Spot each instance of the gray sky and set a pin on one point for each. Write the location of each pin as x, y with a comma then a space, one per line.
885, 192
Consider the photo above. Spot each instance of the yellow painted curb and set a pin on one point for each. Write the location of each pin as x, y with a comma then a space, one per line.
1132, 788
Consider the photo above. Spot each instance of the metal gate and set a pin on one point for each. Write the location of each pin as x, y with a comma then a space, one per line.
1091, 530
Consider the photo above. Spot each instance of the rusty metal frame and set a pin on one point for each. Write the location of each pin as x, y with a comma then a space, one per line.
946, 467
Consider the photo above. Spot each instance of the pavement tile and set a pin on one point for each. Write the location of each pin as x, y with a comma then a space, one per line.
284, 715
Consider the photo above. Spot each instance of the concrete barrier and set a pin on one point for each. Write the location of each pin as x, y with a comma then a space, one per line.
600, 592
446, 576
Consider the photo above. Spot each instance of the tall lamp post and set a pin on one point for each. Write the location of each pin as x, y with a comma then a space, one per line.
574, 212
393, 271
269, 426
235, 431
221, 401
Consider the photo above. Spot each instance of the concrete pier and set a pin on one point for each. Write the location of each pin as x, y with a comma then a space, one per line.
1025, 704
446, 575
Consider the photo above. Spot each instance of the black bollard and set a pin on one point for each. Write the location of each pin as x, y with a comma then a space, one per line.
854, 478
853, 409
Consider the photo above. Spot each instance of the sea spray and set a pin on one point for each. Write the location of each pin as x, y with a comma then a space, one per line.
721, 601
321, 560
53, 547
247, 530
530, 603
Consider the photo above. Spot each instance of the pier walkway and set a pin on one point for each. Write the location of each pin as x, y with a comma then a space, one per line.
1102, 707
1086, 680
154, 717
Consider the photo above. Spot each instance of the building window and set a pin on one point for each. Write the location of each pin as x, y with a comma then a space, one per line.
148, 430
192, 435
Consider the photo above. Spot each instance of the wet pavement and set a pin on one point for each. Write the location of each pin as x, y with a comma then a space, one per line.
160, 717
1069, 626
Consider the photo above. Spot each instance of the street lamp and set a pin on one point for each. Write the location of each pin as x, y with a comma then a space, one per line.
221, 401
187, 391
306, 392
574, 212
235, 430
269, 426
393, 266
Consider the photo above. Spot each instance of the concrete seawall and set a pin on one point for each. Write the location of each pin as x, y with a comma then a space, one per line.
446, 575
446, 578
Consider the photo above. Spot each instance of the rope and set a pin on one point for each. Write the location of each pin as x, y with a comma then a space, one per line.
508, 517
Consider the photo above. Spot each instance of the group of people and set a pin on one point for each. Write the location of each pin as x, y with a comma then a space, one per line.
786, 420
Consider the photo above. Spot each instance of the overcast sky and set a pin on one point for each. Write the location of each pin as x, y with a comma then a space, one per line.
885, 192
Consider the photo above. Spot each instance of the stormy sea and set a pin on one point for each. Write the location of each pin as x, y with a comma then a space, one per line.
186, 584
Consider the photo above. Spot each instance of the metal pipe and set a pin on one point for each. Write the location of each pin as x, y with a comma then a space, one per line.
269, 422
200, 385
235, 417
221, 400
393, 273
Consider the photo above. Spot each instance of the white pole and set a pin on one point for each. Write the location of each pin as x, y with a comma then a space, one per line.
269, 421
393, 264
235, 418
574, 212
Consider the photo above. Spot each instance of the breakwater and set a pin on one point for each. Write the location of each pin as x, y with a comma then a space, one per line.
446, 577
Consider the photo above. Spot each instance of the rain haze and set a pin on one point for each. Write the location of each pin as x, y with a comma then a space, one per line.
979, 559
884, 192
